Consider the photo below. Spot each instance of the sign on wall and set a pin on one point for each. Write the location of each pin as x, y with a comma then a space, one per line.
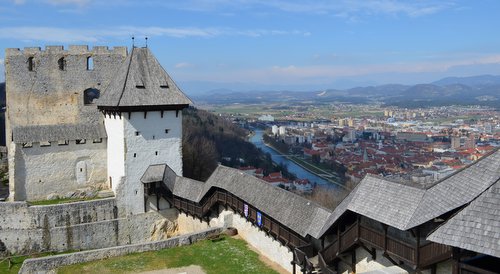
259, 218
245, 210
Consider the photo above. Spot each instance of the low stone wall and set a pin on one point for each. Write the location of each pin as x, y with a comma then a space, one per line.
42, 265
78, 226
266, 245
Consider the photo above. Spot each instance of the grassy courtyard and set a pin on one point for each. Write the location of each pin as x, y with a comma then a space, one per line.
227, 255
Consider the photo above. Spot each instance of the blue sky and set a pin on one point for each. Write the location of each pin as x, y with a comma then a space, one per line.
261, 44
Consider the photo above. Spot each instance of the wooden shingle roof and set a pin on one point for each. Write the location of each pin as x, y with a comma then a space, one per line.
142, 82
44, 133
476, 227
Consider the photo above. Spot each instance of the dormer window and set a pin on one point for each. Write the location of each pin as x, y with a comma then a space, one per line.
90, 63
140, 86
31, 64
61, 63
164, 86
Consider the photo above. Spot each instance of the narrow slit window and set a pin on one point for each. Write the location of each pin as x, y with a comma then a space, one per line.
156, 152
137, 133
61, 63
167, 130
90, 63
31, 64
135, 155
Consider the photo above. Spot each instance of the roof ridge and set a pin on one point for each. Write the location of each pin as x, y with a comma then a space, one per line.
126, 76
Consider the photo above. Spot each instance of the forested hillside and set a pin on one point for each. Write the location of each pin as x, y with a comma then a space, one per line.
208, 139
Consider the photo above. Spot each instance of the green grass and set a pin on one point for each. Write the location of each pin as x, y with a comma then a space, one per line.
61, 201
225, 256
16, 265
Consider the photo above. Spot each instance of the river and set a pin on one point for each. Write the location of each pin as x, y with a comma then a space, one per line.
300, 172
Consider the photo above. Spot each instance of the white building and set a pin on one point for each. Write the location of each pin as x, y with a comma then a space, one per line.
275, 129
282, 130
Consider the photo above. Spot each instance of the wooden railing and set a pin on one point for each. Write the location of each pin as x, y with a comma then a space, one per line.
422, 256
221, 197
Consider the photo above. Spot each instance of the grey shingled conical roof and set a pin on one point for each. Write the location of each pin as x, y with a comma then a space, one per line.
142, 82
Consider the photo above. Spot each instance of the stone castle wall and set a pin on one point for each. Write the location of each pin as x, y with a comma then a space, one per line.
78, 226
58, 169
268, 246
46, 87
47, 95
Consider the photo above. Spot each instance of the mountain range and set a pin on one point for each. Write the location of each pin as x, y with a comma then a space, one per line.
474, 90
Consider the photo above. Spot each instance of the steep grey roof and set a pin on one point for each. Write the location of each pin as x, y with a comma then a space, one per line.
458, 189
141, 81
476, 227
154, 173
27, 134
405, 206
299, 214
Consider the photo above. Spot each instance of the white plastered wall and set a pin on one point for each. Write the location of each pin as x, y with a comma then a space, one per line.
147, 143
116, 149
57, 169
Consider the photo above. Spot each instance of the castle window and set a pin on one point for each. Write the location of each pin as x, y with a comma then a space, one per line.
156, 152
140, 86
135, 155
167, 130
137, 133
31, 64
61, 63
164, 86
80, 141
89, 95
63, 143
90, 63
97, 140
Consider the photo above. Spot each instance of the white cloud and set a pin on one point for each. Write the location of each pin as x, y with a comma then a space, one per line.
63, 35
343, 8
68, 2
317, 74
184, 65
1, 61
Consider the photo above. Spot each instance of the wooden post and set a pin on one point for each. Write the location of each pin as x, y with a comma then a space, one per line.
385, 237
417, 263
338, 239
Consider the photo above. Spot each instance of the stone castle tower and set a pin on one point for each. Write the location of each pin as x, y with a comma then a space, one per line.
59, 141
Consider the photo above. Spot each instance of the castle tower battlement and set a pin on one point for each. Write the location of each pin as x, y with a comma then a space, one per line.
72, 49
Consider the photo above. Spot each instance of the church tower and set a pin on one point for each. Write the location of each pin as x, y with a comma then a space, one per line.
142, 109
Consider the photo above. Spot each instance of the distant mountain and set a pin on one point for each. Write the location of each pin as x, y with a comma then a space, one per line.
481, 80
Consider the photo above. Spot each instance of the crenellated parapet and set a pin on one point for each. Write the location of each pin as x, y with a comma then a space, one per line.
72, 49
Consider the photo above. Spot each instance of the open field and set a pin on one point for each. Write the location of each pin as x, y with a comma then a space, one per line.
227, 255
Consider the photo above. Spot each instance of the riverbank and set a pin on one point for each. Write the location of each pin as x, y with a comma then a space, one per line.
308, 167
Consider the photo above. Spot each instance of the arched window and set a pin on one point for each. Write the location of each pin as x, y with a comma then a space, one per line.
31, 64
90, 63
61, 63
89, 95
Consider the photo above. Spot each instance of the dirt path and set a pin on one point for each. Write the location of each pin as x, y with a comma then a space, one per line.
192, 269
